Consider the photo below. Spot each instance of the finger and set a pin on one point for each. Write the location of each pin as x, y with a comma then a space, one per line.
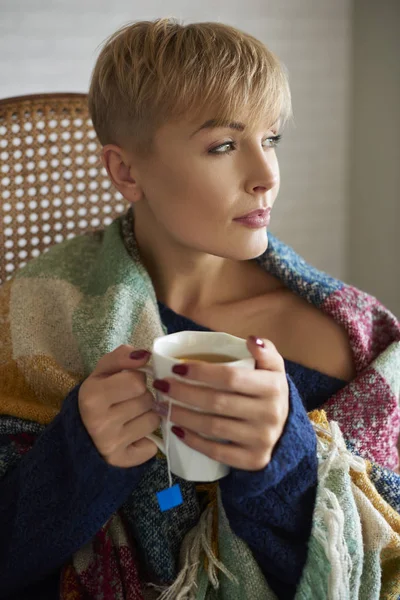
140, 452
123, 386
214, 401
135, 454
265, 354
123, 357
237, 380
97, 395
223, 428
138, 428
232, 455
126, 411
118, 388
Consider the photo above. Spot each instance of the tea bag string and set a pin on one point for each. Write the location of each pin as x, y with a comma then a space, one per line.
168, 440
150, 371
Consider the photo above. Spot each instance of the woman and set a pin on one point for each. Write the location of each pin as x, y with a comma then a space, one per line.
189, 119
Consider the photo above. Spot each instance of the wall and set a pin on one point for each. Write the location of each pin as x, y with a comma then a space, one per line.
50, 45
374, 248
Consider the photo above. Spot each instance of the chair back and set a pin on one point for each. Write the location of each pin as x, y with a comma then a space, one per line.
52, 183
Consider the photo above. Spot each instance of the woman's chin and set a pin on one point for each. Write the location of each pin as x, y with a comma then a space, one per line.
251, 248
257, 245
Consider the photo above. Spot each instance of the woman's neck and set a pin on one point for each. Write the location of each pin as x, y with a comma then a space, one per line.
189, 281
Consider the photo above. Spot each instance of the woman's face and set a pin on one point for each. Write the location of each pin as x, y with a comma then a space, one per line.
201, 178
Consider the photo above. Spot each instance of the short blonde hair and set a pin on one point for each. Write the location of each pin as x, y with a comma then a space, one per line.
151, 72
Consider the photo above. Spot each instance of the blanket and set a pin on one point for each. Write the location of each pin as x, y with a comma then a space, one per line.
93, 293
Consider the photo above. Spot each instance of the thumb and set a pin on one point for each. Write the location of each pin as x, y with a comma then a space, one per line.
124, 357
265, 354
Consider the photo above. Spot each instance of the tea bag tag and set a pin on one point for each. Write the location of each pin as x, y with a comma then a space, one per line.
170, 497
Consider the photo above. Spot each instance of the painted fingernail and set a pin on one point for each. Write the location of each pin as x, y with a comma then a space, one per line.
139, 354
161, 385
178, 432
180, 369
256, 340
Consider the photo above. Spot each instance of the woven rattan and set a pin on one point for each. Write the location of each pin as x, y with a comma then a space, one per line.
52, 184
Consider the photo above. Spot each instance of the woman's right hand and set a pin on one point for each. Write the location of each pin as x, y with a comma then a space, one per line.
116, 408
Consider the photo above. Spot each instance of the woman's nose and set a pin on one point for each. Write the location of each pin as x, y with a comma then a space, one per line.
263, 178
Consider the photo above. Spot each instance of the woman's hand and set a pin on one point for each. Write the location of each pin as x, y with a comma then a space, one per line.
249, 409
116, 408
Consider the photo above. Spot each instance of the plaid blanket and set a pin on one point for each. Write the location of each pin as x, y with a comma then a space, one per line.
93, 293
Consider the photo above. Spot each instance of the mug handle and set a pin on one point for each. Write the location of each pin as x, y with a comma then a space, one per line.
147, 370
158, 442
154, 438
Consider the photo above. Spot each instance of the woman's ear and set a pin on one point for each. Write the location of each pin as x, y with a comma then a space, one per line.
117, 164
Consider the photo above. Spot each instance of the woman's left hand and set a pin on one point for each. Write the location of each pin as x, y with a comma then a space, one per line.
249, 409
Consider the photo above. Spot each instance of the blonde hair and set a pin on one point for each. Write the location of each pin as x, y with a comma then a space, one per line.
150, 72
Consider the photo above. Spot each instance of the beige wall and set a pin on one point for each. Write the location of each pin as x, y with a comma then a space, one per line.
374, 247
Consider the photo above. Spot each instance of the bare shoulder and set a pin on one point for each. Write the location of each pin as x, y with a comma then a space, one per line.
316, 340
301, 332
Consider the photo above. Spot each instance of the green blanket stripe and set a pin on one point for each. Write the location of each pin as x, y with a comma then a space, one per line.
68, 261
387, 365
119, 298
238, 559
339, 483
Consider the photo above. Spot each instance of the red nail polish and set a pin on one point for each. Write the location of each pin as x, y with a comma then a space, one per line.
139, 354
180, 369
161, 385
256, 340
178, 432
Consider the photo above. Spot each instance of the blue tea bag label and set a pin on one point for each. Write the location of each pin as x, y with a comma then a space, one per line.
170, 497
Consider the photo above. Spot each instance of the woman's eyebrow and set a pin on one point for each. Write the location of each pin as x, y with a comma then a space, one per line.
214, 123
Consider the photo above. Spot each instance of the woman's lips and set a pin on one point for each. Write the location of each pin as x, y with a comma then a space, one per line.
256, 219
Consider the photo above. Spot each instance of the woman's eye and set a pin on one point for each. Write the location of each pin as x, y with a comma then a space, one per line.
273, 141
225, 148
228, 147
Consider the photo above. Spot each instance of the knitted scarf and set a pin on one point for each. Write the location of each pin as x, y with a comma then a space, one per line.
93, 293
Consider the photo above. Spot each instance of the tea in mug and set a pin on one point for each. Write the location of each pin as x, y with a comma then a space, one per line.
208, 357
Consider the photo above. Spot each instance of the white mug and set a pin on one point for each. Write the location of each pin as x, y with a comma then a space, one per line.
186, 462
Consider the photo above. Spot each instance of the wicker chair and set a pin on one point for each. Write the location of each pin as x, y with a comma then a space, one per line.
52, 184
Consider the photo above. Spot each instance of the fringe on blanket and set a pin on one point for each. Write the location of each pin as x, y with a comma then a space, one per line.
331, 536
196, 544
